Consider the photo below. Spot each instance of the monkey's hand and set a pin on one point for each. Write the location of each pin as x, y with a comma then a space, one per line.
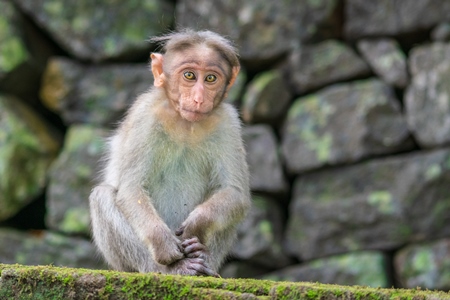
166, 248
192, 248
197, 224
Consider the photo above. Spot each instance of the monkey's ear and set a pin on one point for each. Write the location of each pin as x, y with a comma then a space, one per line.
234, 74
157, 69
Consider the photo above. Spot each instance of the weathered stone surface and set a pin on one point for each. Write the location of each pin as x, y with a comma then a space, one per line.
96, 95
343, 123
266, 98
45, 247
260, 235
47, 282
13, 51
427, 99
71, 179
314, 66
27, 147
392, 17
359, 268
386, 59
377, 205
235, 93
263, 30
441, 33
90, 33
424, 265
23, 53
263, 159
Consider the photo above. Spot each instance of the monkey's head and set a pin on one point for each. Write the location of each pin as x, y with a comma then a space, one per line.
196, 70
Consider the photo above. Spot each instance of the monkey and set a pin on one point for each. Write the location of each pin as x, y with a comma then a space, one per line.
175, 184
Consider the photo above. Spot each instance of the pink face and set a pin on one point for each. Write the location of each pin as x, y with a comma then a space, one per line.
197, 82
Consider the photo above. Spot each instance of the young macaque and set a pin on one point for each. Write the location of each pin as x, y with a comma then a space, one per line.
175, 185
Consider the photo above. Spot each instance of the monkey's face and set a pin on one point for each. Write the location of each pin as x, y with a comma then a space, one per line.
196, 82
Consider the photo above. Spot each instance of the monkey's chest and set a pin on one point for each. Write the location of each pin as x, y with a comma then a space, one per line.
179, 178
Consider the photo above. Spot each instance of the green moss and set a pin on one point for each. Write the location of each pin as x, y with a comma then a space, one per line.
308, 119
24, 156
265, 227
382, 200
76, 220
48, 282
433, 172
12, 53
12, 50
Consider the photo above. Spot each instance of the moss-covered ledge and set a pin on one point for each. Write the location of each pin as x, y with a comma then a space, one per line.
49, 282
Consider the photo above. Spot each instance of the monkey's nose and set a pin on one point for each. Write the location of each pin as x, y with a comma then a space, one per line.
199, 97
198, 93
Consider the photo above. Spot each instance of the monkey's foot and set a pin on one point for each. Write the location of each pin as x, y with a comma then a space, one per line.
193, 267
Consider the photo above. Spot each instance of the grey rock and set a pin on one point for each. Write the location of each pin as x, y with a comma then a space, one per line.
331, 61
242, 269
92, 33
235, 92
259, 236
266, 173
27, 148
71, 178
46, 247
386, 59
266, 98
96, 95
13, 51
392, 17
263, 30
342, 124
359, 268
427, 98
441, 33
377, 205
425, 265
23, 54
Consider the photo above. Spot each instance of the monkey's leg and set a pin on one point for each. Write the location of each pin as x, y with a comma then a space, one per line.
114, 236
218, 247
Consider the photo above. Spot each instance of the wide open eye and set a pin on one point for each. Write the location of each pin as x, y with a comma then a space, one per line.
211, 78
189, 75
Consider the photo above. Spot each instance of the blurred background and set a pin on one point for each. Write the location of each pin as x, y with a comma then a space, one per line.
347, 125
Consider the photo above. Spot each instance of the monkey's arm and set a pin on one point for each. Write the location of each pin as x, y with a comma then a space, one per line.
137, 208
126, 170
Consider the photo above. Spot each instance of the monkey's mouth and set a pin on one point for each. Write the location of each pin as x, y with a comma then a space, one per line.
193, 115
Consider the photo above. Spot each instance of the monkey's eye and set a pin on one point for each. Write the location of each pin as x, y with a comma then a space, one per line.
189, 75
211, 78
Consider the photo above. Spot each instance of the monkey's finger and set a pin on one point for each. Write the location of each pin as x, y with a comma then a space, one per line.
202, 269
179, 231
194, 248
190, 241
209, 272
196, 254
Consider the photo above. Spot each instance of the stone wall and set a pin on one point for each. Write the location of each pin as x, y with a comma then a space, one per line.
347, 125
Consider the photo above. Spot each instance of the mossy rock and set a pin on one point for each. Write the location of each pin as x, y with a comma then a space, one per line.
49, 282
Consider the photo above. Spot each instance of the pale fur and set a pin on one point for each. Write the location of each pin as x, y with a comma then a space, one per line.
157, 172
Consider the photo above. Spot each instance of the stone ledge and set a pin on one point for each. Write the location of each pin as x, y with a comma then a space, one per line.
49, 282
